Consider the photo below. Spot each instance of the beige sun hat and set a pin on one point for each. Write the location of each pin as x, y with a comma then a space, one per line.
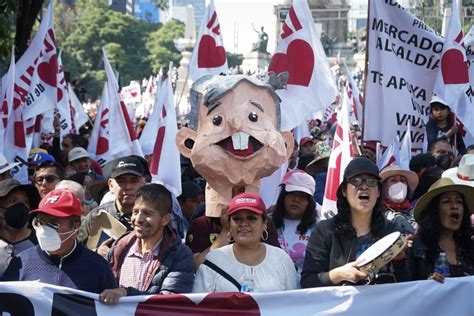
441, 186
464, 174
392, 170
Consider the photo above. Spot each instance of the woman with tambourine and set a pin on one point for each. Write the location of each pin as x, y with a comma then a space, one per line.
335, 244
442, 246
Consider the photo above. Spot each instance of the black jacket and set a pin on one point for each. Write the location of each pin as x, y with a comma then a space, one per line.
327, 250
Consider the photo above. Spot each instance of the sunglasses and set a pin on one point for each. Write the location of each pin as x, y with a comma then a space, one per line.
49, 179
370, 182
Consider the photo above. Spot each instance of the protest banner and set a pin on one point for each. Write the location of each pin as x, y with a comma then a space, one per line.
209, 56
403, 57
408, 298
299, 53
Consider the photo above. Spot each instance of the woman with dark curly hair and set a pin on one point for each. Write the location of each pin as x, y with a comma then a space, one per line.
295, 215
443, 245
336, 243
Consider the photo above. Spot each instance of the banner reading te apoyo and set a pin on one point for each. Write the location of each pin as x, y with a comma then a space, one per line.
404, 57
454, 297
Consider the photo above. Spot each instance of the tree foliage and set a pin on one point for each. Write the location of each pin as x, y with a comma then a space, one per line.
122, 36
161, 47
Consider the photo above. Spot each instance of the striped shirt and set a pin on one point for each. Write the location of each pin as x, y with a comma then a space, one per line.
137, 268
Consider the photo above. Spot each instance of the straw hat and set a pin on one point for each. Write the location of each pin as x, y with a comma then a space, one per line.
392, 170
441, 186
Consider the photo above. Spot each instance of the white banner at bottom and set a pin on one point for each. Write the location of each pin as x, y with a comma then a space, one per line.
454, 297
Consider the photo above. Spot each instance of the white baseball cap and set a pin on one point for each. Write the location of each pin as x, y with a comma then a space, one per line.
77, 153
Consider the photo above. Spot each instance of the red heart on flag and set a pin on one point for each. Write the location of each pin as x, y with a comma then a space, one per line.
454, 68
60, 94
210, 55
47, 71
134, 94
298, 61
226, 303
102, 146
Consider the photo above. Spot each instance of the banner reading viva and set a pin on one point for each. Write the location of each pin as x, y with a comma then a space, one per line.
310, 87
209, 57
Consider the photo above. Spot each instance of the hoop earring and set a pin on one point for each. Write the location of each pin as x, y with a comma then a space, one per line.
230, 238
265, 232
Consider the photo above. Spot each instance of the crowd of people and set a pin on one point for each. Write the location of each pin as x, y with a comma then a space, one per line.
140, 239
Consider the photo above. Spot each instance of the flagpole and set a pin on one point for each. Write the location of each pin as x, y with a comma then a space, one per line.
365, 72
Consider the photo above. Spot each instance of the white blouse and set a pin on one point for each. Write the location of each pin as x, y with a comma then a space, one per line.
276, 272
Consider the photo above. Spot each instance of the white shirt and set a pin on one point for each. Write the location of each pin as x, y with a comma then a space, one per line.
276, 272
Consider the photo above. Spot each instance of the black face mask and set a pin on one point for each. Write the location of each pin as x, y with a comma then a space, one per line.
444, 162
17, 215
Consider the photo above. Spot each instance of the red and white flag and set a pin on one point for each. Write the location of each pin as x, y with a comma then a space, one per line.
311, 86
405, 149
341, 154
36, 71
355, 97
453, 77
113, 135
158, 139
63, 109
209, 56
145, 107
13, 139
391, 155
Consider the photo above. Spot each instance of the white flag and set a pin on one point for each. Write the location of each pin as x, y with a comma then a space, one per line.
113, 135
145, 107
391, 155
14, 142
453, 77
341, 155
209, 56
355, 97
311, 86
158, 139
36, 71
405, 149
78, 114
63, 109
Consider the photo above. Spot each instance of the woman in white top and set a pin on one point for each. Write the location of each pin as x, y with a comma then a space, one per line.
295, 215
247, 265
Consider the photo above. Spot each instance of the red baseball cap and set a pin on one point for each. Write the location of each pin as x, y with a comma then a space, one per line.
247, 201
60, 203
305, 140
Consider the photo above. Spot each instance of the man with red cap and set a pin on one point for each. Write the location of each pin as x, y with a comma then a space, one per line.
59, 259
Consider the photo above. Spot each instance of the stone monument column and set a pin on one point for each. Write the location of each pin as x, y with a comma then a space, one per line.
186, 45
259, 58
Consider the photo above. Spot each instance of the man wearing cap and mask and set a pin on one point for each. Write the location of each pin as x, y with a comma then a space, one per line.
16, 200
59, 259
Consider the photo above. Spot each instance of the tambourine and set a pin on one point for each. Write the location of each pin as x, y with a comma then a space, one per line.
381, 253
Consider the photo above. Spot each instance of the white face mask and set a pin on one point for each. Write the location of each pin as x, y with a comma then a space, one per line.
398, 192
48, 237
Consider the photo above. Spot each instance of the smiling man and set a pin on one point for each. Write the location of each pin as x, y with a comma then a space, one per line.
151, 259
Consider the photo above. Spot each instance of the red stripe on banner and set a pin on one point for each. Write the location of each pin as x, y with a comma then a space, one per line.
131, 131
228, 304
155, 160
286, 31
294, 19
212, 20
19, 134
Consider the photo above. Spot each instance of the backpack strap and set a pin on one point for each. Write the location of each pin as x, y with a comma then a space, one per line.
223, 273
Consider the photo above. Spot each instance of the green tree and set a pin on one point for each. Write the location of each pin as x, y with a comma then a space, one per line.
123, 37
7, 21
234, 59
161, 47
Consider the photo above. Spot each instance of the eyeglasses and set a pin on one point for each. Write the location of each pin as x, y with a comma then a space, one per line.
37, 223
49, 179
370, 182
